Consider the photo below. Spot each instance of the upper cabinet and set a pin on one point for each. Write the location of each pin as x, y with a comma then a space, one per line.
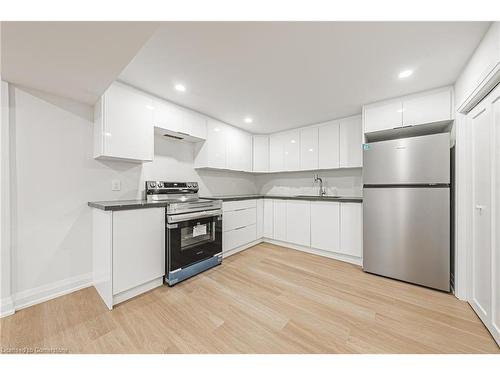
309, 148
284, 151
328, 145
351, 140
177, 122
123, 127
261, 153
430, 107
226, 147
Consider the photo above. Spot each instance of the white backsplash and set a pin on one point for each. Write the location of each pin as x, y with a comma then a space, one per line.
344, 182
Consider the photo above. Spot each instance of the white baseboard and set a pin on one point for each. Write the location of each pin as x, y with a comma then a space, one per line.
6, 307
46, 292
143, 288
228, 253
328, 254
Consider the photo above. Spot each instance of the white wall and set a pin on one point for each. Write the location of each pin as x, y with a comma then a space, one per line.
346, 182
54, 176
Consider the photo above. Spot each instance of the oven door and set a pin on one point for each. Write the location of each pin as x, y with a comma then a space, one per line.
192, 238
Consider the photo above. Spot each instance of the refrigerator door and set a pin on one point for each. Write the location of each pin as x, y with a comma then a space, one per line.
406, 234
417, 160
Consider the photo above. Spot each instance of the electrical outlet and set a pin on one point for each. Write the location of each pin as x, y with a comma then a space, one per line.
116, 185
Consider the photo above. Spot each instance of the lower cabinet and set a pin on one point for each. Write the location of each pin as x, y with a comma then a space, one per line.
128, 252
325, 226
268, 217
239, 224
351, 229
279, 220
298, 217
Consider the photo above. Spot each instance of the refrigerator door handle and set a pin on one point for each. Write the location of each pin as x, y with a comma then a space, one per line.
480, 208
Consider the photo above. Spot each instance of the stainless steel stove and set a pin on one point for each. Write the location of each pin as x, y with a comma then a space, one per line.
193, 229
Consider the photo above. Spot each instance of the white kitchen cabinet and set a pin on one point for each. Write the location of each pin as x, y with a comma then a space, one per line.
268, 218
309, 148
276, 152
383, 116
291, 147
351, 140
212, 153
325, 226
239, 150
239, 224
298, 216
432, 107
260, 218
238, 237
261, 153
351, 229
138, 247
123, 125
175, 121
279, 219
239, 218
328, 145
424, 108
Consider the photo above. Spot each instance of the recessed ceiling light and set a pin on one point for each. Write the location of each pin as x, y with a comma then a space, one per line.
405, 73
180, 87
248, 120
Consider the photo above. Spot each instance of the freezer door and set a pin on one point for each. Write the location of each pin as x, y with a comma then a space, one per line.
417, 160
406, 234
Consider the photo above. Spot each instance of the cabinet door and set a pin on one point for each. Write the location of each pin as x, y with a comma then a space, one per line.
291, 148
239, 150
128, 124
276, 153
194, 124
298, 222
216, 143
351, 137
328, 136
325, 226
138, 247
351, 229
383, 116
167, 116
268, 218
427, 108
261, 153
279, 220
309, 148
260, 218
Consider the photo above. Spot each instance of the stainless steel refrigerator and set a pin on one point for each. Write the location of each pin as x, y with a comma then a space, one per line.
406, 209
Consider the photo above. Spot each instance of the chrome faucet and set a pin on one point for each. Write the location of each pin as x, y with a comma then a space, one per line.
322, 191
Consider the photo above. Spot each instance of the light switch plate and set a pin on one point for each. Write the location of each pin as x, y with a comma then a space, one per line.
116, 185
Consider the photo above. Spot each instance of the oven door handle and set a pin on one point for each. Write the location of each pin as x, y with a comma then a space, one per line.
193, 215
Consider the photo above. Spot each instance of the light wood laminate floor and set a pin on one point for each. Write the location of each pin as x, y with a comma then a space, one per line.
267, 299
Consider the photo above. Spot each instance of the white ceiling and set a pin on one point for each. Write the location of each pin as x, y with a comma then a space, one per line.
78, 60
289, 74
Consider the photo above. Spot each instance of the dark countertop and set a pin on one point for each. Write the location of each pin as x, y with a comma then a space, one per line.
229, 198
125, 205
142, 203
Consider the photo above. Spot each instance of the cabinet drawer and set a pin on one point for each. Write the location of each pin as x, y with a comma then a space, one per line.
239, 218
239, 237
238, 205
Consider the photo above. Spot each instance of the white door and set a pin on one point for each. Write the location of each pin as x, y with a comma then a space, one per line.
351, 139
309, 148
351, 229
291, 147
279, 220
328, 156
276, 153
216, 143
383, 116
298, 219
239, 149
260, 218
480, 121
268, 218
261, 153
325, 226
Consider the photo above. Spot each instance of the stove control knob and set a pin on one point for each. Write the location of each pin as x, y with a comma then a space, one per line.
152, 184
160, 184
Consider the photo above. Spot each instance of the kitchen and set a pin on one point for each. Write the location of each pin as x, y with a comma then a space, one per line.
173, 208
